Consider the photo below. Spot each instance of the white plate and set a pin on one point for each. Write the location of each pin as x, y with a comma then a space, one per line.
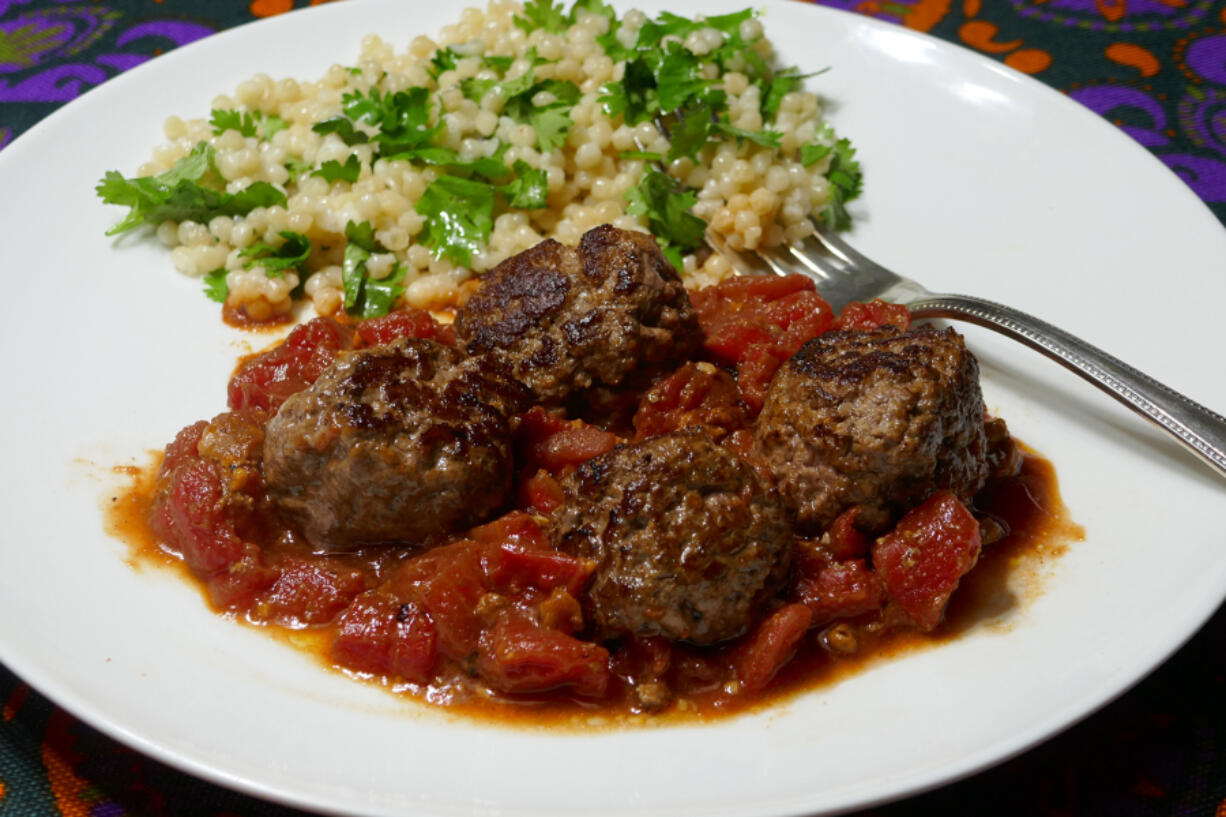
977, 179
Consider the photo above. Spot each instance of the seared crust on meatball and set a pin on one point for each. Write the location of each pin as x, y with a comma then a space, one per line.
880, 419
400, 443
570, 318
689, 542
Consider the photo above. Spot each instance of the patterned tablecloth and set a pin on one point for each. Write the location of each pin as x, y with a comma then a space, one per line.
1155, 68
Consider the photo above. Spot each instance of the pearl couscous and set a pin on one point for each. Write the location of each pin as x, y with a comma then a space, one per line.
753, 183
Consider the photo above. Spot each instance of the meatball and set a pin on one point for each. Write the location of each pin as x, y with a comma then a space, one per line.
571, 318
400, 443
879, 419
689, 542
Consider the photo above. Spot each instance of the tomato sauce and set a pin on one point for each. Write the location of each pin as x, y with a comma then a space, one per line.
491, 622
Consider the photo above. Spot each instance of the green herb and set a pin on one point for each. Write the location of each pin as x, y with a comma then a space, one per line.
291, 254
528, 190
459, 215
635, 97
343, 128
846, 178
332, 170
215, 287
189, 191
542, 14
766, 138
667, 208
644, 155
255, 125
779, 85
364, 296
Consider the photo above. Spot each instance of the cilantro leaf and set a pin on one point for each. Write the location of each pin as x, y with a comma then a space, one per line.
459, 215
241, 121
635, 97
291, 254
679, 78
343, 128
542, 14
189, 191
779, 85
332, 170
667, 208
846, 178
529, 189
766, 138
215, 287
380, 296
364, 296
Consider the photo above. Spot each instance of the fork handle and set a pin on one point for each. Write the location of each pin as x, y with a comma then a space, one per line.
1202, 431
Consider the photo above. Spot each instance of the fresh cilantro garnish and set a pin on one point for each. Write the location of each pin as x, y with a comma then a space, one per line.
364, 296
667, 209
332, 170
190, 191
542, 14
846, 178
343, 128
634, 97
402, 118
528, 190
215, 286
291, 254
766, 138
779, 85
459, 215
252, 124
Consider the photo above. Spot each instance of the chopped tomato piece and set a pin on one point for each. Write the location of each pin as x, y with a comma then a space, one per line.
697, 394
512, 568
381, 636
447, 584
922, 560
311, 591
237, 586
771, 646
846, 540
519, 657
406, 322
541, 492
268, 379
551, 442
835, 589
875, 313
757, 323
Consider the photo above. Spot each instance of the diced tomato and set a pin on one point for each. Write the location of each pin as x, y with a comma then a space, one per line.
406, 322
515, 528
922, 560
846, 540
237, 586
447, 583
873, 314
697, 394
191, 518
268, 379
551, 442
512, 569
771, 646
757, 323
311, 591
541, 492
518, 657
382, 636
835, 589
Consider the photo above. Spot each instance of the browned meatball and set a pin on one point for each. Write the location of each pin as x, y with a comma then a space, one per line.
571, 318
878, 419
400, 443
688, 540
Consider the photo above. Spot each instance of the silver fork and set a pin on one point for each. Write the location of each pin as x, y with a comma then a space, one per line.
844, 275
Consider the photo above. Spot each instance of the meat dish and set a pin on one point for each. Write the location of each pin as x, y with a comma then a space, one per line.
755, 478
